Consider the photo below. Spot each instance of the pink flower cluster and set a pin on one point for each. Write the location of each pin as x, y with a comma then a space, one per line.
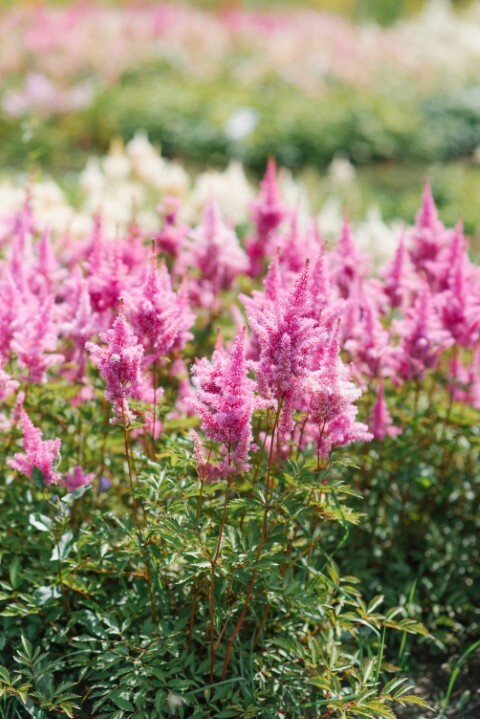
325, 328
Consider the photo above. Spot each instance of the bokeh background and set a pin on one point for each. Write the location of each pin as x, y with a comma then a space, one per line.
390, 86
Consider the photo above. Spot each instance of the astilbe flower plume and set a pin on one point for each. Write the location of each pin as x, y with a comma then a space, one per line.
286, 334
348, 264
428, 237
39, 453
214, 250
399, 280
422, 338
268, 212
225, 401
460, 303
381, 423
35, 338
159, 316
119, 363
330, 396
77, 478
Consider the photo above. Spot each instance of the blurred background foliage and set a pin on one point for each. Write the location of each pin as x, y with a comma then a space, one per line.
381, 11
395, 134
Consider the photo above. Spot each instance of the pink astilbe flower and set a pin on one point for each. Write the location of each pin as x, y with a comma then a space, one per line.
35, 339
107, 274
170, 238
11, 302
119, 363
214, 250
369, 343
330, 396
225, 401
77, 478
268, 211
460, 302
422, 338
399, 280
297, 246
8, 385
83, 321
381, 423
43, 454
159, 316
348, 264
428, 237
287, 335
48, 273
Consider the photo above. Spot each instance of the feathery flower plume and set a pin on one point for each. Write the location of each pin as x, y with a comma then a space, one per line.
214, 250
330, 404
422, 338
287, 335
35, 339
77, 478
268, 211
428, 237
159, 316
347, 262
399, 279
119, 364
381, 423
225, 402
43, 454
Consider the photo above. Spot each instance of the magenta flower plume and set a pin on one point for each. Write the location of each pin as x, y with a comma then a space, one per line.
428, 237
11, 302
225, 401
158, 315
214, 250
427, 217
330, 396
35, 339
347, 262
461, 303
77, 478
107, 274
287, 335
8, 385
39, 453
399, 279
422, 338
381, 423
119, 363
268, 211
370, 343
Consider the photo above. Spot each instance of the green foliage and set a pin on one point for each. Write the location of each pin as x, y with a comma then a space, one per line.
107, 617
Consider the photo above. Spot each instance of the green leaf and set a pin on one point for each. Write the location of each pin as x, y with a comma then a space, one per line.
76, 494
4, 675
38, 478
40, 522
121, 699
14, 573
62, 549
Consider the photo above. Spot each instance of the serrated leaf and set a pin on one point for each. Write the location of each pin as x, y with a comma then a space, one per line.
121, 699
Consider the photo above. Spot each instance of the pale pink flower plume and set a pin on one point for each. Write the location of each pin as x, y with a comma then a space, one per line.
225, 401
39, 453
119, 362
77, 478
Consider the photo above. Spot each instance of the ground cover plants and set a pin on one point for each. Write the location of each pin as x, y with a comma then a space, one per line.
238, 467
